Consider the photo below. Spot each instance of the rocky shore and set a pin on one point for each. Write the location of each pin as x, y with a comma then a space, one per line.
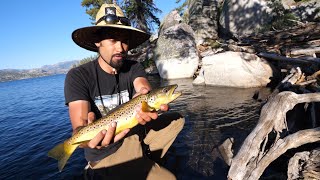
47, 70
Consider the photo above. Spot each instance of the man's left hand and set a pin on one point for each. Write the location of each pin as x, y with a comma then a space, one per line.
144, 117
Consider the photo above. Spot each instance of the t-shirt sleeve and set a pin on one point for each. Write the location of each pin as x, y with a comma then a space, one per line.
137, 71
75, 86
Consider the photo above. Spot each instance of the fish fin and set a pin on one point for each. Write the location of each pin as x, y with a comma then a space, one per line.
145, 107
62, 153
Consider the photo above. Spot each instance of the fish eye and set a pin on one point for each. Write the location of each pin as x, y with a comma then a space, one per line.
165, 90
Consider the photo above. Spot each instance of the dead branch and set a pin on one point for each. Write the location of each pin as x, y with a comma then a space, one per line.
306, 51
282, 145
225, 150
250, 161
314, 75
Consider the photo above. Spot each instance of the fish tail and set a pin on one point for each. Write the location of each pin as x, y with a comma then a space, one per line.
62, 153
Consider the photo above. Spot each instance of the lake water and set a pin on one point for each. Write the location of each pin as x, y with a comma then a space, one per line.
34, 118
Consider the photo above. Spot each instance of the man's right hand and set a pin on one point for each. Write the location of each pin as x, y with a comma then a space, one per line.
104, 137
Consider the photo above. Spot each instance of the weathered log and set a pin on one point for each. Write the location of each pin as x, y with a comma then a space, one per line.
295, 76
306, 51
302, 60
282, 145
305, 165
253, 157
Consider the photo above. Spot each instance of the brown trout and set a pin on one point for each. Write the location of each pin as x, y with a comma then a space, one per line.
123, 114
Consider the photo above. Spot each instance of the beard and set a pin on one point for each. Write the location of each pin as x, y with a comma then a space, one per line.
117, 64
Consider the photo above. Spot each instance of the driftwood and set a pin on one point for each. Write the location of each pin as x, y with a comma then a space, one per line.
255, 153
305, 165
308, 51
302, 60
302, 39
251, 161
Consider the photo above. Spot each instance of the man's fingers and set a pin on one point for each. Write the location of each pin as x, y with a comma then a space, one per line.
164, 107
109, 135
148, 116
121, 135
106, 137
143, 90
91, 117
144, 117
97, 139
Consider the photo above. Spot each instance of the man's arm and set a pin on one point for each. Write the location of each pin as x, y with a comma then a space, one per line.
78, 112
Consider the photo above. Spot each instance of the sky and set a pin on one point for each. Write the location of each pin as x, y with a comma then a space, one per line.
38, 32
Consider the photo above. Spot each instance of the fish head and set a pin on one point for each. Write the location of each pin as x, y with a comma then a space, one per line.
162, 95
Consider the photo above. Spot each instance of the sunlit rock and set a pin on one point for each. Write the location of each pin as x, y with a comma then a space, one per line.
235, 69
175, 54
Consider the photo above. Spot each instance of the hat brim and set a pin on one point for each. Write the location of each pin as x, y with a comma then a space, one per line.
86, 37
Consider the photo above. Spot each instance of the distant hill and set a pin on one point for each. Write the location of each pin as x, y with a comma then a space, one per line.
47, 70
59, 68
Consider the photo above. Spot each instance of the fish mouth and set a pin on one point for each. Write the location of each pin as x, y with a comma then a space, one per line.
174, 94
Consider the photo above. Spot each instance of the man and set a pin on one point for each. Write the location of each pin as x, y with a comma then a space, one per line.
92, 89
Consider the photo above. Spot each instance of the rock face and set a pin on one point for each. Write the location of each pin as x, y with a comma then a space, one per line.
244, 17
234, 69
203, 19
175, 53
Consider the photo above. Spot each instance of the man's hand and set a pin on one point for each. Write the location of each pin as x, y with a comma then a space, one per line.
104, 137
144, 117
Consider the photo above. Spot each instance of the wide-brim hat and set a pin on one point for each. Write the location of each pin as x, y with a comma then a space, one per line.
86, 37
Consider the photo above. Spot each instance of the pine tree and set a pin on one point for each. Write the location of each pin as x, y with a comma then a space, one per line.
142, 13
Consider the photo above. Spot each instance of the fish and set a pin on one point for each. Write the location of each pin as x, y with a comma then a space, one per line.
123, 115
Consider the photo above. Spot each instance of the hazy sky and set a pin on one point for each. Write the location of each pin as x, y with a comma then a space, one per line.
38, 32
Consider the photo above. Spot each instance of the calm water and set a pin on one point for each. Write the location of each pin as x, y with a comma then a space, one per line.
34, 118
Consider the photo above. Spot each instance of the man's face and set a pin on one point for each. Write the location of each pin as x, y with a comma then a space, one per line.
113, 48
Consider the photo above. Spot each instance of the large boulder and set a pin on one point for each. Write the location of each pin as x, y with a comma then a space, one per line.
234, 69
172, 19
175, 54
240, 18
203, 19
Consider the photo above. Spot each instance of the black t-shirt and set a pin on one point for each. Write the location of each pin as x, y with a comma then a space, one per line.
91, 83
